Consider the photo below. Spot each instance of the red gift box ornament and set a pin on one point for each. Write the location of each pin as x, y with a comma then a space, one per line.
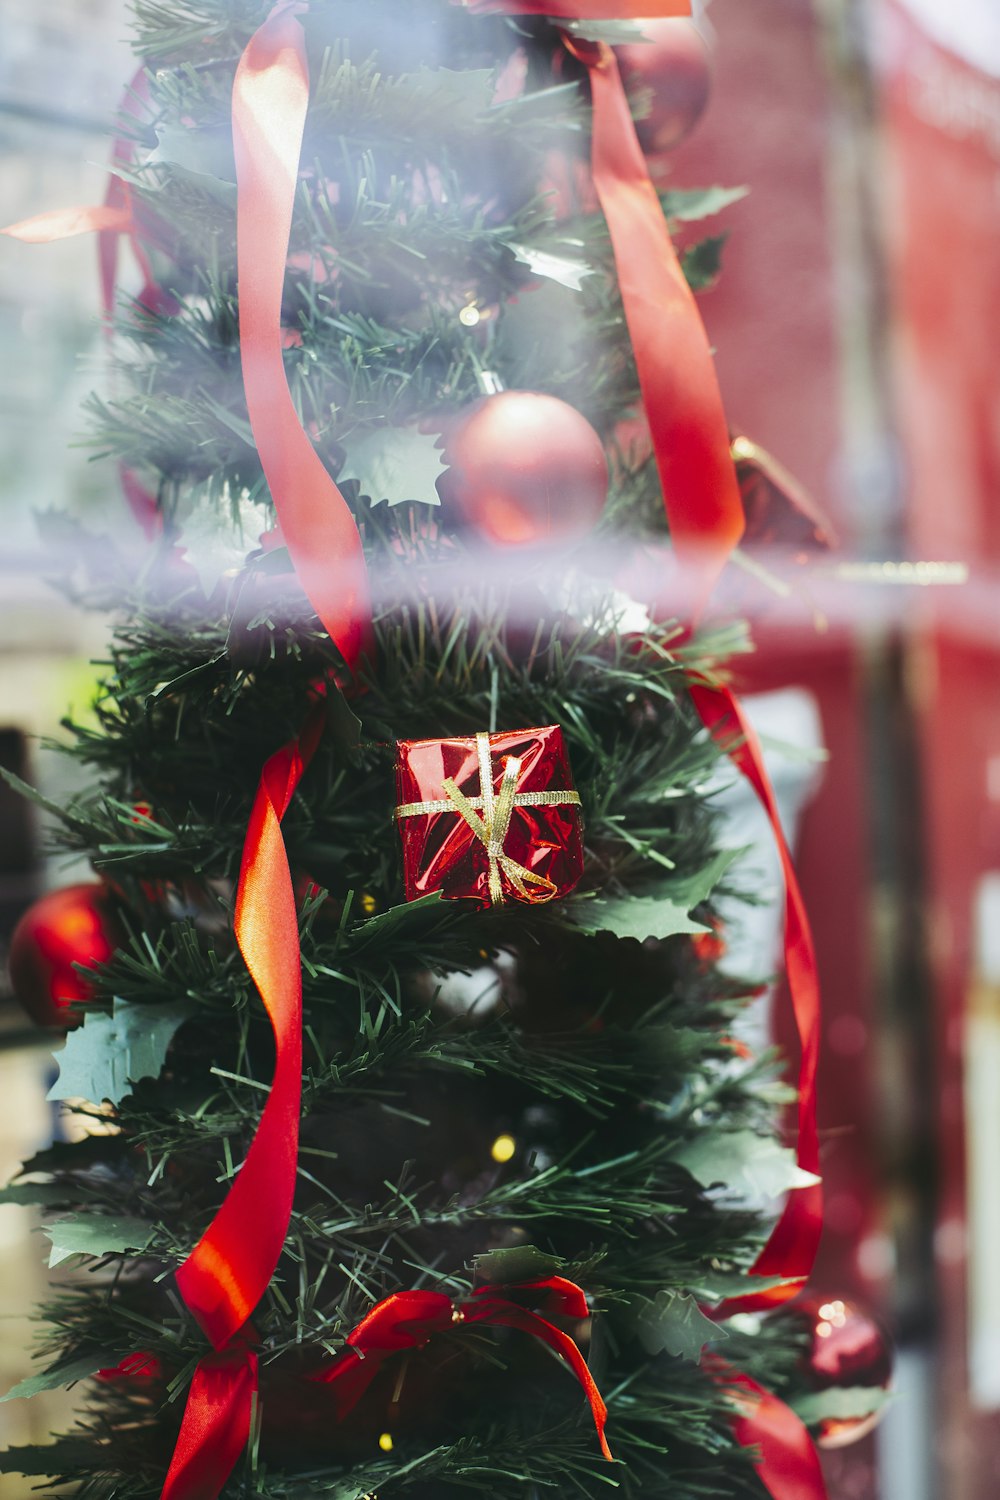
492, 817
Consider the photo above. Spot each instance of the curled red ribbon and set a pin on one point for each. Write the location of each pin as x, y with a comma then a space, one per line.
216, 1424
788, 1466
408, 1320
791, 1248
701, 494
270, 99
227, 1273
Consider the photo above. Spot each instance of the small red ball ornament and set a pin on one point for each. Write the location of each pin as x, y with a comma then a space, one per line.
849, 1352
526, 468
675, 65
75, 925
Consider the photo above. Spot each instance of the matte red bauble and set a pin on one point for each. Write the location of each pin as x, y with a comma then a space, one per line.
526, 468
850, 1352
675, 65
76, 925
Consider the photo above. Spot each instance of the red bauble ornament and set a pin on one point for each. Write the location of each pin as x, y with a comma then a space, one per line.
526, 468
75, 925
848, 1352
674, 63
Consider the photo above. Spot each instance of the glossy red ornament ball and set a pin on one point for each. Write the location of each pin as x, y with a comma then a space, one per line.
526, 468
675, 65
75, 925
849, 1351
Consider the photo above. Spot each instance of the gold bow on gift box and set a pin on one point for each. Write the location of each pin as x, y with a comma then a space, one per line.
488, 816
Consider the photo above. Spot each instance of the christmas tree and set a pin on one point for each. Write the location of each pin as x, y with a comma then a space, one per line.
379, 715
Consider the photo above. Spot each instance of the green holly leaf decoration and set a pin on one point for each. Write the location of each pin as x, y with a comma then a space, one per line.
48, 1460
41, 1194
394, 919
674, 1324
520, 1263
715, 1286
395, 464
841, 1404
661, 915
614, 33
105, 1056
742, 1162
636, 917
703, 262
95, 1235
65, 1373
687, 204
567, 270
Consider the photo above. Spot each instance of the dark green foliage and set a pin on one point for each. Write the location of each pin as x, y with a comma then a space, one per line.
598, 1054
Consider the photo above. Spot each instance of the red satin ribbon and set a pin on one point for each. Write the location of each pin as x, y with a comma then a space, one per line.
680, 389
216, 1425
791, 1249
701, 495
408, 1320
227, 1273
270, 99
788, 1466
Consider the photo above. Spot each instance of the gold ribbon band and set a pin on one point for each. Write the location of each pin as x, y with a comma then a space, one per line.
523, 799
492, 827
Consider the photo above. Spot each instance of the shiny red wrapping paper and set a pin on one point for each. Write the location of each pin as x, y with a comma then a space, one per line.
442, 852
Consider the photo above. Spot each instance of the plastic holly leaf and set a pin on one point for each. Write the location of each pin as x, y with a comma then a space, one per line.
742, 1162
217, 541
198, 153
95, 1235
394, 918
687, 204
41, 1194
703, 262
46, 1460
395, 464
693, 889
664, 914
614, 33
840, 1404
520, 1263
674, 1324
637, 917
715, 1286
451, 93
105, 1056
568, 270
62, 1374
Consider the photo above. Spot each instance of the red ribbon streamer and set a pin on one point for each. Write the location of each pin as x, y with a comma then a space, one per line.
789, 1466
673, 357
228, 1271
408, 1320
705, 513
216, 1425
791, 1249
270, 99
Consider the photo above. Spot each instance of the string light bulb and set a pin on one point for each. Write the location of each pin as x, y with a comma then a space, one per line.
470, 315
385, 1442
503, 1148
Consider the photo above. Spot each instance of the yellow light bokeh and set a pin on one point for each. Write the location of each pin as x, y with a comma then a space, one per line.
503, 1148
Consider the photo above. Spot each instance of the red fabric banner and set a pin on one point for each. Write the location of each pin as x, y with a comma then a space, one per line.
270, 99
227, 1273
